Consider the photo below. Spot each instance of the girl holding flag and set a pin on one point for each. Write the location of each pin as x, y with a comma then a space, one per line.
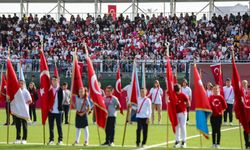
218, 106
156, 96
81, 120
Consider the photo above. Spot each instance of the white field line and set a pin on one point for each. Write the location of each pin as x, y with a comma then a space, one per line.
188, 138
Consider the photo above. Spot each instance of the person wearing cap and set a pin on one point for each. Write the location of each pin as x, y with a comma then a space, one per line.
112, 105
143, 115
22, 122
229, 97
156, 94
188, 92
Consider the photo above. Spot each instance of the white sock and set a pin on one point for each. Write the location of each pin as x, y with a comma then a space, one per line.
78, 134
86, 134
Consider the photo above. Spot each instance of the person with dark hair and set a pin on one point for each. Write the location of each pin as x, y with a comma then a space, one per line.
32, 106
56, 99
218, 105
66, 102
181, 110
20, 122
143, 114
112, 105
81, 121
229, 97
188, 92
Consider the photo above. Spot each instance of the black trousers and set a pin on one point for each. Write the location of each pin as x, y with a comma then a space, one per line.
7, 104
32, 111
58, 118
19, 123
229, 111
216, 126
141, 125
66, 113
110, 129
247, 140
188, 109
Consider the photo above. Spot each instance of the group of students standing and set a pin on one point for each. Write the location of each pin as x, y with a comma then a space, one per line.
147, 103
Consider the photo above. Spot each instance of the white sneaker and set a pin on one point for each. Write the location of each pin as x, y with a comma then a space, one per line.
34, 123
112, 144
24, 142
86, 143
183, 145
231, 124
225, 123
177, 145
51, 143
60, 143
217, 146
17, 142
214, 146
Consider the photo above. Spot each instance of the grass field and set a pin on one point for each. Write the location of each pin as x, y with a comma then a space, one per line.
156, 136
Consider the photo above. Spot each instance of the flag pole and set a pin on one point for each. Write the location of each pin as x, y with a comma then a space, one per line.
98, 131
71, 96
125, 126
168, 44
8, 108
201, 145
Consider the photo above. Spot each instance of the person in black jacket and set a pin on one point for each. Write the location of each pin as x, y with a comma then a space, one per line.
56, 109
32, 106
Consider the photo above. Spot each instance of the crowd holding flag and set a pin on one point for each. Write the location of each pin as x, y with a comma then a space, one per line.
202, 106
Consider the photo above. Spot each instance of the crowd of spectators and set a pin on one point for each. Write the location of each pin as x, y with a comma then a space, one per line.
110, 39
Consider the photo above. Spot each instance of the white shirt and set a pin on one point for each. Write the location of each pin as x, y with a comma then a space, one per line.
128, 90
26, 96
55, 106
229, 94
187, 91
144, 110
156, 94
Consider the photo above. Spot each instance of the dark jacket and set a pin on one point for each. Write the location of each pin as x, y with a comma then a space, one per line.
59, 97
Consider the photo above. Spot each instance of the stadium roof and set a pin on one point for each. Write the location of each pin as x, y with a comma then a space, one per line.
108, 1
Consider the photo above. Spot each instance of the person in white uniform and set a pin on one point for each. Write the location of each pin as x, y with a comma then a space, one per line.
143, 115
188, 92
209, 89
229, 97
156, 94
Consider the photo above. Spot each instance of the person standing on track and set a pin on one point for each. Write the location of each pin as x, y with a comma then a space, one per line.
143, 115
66, 102
218, 106
229, 97
188, 92
156, 94
112, 105
32, 106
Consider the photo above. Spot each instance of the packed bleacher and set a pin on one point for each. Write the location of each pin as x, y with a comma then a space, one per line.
144, 38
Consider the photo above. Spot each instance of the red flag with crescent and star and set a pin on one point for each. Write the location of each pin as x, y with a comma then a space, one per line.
44, 87
218, 77
112, 11
3, 88
96, 96
118, 86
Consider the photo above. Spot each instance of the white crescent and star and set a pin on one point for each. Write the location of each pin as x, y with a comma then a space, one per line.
216, 102
45, 72
216, 71
117, 85
93, 83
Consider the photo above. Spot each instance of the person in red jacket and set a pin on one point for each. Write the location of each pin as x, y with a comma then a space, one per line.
218, 106
181, 110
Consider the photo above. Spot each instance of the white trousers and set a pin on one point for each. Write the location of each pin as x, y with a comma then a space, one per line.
86, 134
182, 121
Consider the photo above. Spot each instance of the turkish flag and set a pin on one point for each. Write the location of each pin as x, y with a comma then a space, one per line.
118, 86
240, 106
135, 86
112, 11
77, 78
171, 104
44, 87
96, 96
18, 104
218, 77
56, 74
3, 88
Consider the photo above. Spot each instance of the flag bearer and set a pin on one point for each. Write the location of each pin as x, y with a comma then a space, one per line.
143, 116
229, 97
